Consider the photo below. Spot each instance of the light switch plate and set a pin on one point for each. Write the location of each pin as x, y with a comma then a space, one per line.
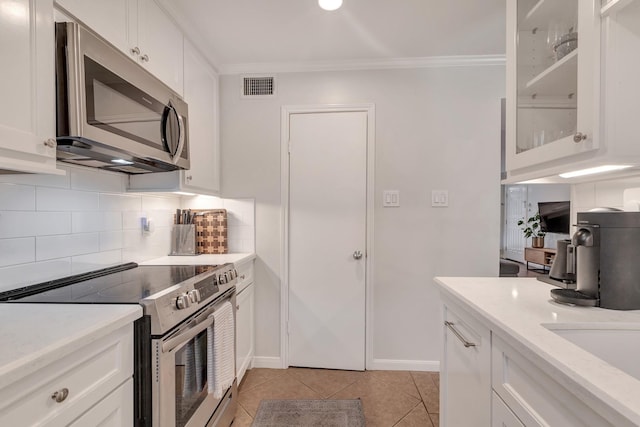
390, 198
440, 198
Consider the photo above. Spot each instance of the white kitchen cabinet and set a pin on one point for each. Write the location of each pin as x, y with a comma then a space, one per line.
139, 28
465, 380
245, 328
533, 395
115, 410
552, 100
201, 95
501, 415
27, 111
603, 70
63, 390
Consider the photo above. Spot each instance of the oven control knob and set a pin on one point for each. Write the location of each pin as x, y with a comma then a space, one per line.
222, 279
235, 273
194, 296
183, 301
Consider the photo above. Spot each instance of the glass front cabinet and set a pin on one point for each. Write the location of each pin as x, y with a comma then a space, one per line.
553, 49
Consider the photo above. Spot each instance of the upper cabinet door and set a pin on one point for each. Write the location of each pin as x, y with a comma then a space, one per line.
201, 95
138, 28
27, 110
552, 81
114, 20
161, 44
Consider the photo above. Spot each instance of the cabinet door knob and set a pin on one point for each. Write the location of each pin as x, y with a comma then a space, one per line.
60, 395
135, 50
357, 255
189, 177
237, 307
144, 58
579, 137
51, 143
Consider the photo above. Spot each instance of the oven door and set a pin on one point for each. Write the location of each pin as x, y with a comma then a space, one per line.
181, 362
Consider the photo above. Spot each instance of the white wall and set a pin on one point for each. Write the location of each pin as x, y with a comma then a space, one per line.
436, 128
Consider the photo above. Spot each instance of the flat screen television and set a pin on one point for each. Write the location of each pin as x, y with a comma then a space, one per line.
555, 217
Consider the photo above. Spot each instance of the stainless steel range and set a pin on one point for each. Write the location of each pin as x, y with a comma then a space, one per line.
180, 378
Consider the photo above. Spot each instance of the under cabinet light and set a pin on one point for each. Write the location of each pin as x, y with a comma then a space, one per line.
184, 193
330, 4
121, 162
591, 171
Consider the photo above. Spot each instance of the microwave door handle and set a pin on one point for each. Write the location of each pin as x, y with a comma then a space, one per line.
186, 336
181, 138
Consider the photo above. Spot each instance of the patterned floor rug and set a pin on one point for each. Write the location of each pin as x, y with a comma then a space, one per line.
309, 413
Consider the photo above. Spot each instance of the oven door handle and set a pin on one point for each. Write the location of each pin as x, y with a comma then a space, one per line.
187, 335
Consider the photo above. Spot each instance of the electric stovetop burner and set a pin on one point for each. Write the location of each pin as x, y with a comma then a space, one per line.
123, 284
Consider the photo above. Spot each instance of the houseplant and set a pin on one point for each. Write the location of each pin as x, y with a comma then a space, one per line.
531, 228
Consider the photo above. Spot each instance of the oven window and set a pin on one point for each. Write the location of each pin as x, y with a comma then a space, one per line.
191, 377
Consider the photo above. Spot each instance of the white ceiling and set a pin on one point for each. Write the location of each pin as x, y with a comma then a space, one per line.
235, 32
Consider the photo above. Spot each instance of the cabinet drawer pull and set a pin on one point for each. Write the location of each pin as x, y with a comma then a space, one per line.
459, 335
60, 395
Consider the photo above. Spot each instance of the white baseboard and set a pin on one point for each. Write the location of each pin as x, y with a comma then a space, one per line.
403, 365
375, 365
267, 362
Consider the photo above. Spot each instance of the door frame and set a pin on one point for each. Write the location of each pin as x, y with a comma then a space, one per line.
286, 112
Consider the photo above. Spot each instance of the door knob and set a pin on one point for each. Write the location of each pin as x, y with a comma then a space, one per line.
357, 255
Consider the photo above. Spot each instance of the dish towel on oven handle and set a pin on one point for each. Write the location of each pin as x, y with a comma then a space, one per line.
222, 358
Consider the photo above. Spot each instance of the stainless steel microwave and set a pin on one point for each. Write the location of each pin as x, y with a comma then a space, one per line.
111, 113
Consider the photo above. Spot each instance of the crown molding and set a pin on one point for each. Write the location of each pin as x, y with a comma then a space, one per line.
372, 64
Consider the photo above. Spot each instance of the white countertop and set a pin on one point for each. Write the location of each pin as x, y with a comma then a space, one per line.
34, 335
201, 259
516, 308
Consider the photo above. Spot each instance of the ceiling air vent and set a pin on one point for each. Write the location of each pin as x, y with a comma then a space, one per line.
257, 87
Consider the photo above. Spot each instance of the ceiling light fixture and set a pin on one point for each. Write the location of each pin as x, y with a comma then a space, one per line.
591, 171
330, 4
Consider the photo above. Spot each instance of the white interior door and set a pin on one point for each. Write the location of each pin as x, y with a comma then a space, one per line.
327, 227
515, 209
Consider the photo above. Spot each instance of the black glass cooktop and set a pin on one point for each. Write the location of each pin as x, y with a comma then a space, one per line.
125, 284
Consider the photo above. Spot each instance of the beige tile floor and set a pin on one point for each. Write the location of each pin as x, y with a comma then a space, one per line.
389, 398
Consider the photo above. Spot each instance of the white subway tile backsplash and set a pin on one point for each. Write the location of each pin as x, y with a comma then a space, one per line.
97, 180
131, 220
50, 247
86, 222
28, 274
202, 202
150, 203
161, 218
50, 223
17, 251
17, 224
112, 221
14, 197
53, 226
54, 199
609, 194
584, 196
110, 240
88, 262
120, 202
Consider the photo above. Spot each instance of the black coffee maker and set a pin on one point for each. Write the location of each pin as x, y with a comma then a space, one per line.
606, 246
